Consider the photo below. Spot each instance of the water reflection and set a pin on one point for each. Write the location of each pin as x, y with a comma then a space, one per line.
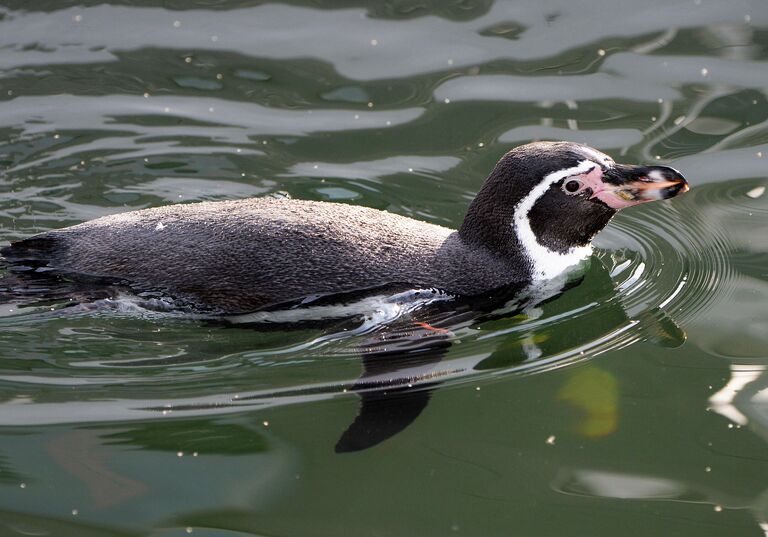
403, 361
660, 424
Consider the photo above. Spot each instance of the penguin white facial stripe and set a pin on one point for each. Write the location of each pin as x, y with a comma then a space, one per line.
546, 263
597, 156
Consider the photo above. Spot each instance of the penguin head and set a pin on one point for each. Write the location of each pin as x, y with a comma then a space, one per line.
547, 200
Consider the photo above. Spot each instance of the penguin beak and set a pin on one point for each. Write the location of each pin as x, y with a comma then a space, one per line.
623, 186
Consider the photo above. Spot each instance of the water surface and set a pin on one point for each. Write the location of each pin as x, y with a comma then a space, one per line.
632, 404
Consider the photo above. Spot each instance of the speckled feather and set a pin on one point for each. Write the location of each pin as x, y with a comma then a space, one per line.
238, 256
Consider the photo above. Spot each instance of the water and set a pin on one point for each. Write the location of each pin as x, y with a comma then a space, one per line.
632, 404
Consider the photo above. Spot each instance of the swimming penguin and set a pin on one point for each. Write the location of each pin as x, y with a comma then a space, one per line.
534, 217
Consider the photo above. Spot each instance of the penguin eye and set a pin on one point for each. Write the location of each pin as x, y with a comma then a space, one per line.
572, 186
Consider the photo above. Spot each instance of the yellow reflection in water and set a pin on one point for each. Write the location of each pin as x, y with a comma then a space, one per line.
595, 393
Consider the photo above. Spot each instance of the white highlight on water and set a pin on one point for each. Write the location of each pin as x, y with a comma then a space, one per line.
756, 192
546, 263
378, 309
671, 297
724, 401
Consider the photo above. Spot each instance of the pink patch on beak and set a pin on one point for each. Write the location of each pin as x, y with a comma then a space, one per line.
592, 179
648, 188
636, 185
609, 194
605, 192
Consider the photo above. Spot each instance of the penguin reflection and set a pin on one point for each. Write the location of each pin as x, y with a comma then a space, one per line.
401, 361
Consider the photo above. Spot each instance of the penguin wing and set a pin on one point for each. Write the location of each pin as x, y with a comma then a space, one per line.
391, 388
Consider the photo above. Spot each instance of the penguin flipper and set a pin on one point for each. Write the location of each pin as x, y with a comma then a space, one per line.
390, 399
381, 416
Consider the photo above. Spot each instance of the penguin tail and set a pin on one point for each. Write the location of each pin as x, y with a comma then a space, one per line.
29, 254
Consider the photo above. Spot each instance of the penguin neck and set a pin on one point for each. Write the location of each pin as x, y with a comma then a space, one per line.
498, 220
489, 221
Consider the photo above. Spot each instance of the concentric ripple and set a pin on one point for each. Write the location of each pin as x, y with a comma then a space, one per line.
179, 114
653, 272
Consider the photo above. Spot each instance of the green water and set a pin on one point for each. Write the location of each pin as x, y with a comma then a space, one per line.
633, 404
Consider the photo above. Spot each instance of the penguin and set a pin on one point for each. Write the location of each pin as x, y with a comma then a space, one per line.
279, 262
533, 219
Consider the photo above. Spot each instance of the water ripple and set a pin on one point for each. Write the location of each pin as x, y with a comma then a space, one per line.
656, 271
